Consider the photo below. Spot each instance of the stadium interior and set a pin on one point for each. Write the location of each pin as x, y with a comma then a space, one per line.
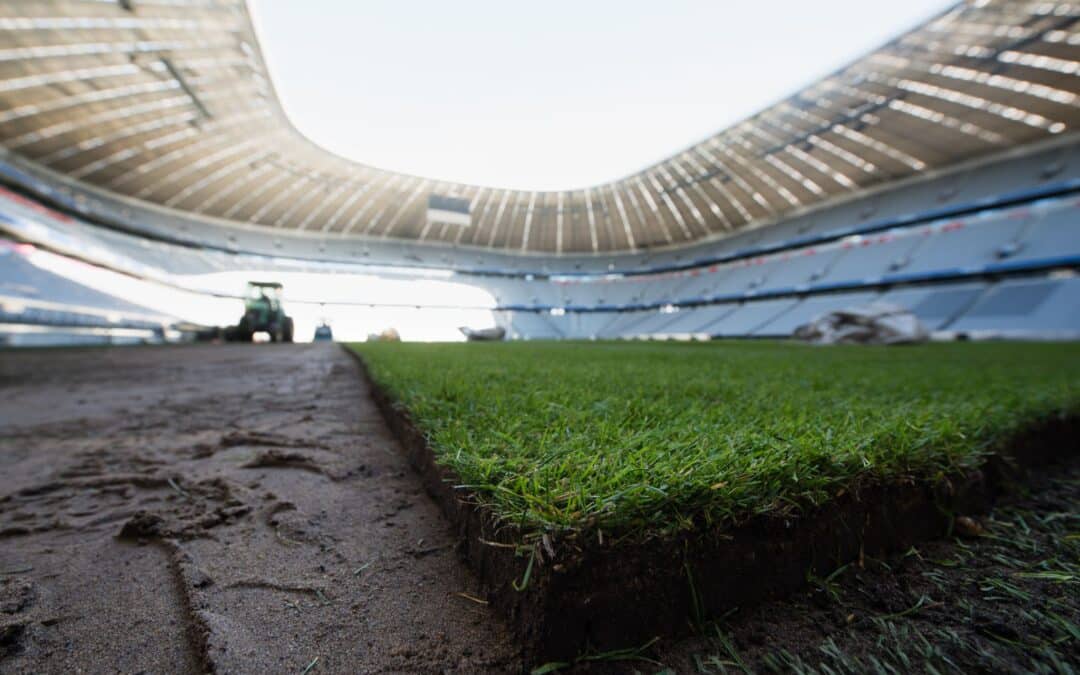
938, 172
153, 191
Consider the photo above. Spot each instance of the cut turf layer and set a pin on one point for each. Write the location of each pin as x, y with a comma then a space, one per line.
1001, 601
606, 492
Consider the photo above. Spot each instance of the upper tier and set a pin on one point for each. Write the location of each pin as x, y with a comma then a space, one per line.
169, 102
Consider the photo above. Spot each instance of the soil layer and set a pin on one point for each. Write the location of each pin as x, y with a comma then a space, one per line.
235, 509
1002, 595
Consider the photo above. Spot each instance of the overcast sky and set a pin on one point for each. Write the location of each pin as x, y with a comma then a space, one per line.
550, 95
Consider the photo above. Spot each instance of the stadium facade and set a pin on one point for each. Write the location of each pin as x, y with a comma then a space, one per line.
939, 172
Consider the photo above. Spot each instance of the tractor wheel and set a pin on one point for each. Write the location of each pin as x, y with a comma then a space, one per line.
287, 330
243, 331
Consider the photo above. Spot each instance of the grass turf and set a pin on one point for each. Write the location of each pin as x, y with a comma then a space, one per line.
641, 439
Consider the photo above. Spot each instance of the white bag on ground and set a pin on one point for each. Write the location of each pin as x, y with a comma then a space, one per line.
483, 334
878, 323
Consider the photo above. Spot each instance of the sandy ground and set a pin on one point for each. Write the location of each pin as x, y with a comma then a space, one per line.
239, 509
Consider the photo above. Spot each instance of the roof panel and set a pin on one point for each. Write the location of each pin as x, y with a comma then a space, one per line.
171, 103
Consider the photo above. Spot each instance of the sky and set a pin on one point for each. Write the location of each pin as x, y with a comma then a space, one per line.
550, 95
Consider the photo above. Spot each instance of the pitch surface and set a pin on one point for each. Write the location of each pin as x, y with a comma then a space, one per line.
231, 508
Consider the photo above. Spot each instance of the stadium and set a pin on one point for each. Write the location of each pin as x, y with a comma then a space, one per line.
801, 396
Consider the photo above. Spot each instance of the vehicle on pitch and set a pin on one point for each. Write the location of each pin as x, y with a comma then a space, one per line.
263, 313
323, 333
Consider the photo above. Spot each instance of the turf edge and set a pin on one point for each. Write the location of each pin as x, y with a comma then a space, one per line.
570, 597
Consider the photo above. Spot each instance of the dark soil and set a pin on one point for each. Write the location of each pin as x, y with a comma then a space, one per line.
1001, 597
573, 596
237, 509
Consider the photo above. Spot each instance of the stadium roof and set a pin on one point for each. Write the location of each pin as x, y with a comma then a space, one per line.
169, 101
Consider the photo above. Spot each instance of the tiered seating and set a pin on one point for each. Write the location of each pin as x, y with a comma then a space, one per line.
939, 305
946, 270
970, 251
696, 321
533, 326
751, 316
32, 295
874, 256
1053, 231
810, 308
965, 245
1025, 307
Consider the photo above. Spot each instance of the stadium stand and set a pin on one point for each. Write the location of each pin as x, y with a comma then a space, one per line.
21, 279
937, 305
811, 307
1028, 234
38, 307
1043, 307
948, 184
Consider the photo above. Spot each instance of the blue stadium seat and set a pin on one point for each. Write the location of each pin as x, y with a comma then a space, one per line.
810, 308
1024, 307
939, 305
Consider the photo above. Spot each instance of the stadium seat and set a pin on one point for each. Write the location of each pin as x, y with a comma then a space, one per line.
698, 319
1018, 308
750, 316
812, 307
938, 305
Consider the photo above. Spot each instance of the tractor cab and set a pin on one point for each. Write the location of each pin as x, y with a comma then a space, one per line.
263, 313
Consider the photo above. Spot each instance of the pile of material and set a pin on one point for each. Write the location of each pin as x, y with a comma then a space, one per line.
388, 335
878, 323
483, 334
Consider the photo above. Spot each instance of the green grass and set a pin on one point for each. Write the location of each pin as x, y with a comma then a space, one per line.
645, 438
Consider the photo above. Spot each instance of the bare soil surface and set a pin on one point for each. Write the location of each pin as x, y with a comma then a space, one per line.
236, 509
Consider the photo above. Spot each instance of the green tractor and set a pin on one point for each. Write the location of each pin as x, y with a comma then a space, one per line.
263, 312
